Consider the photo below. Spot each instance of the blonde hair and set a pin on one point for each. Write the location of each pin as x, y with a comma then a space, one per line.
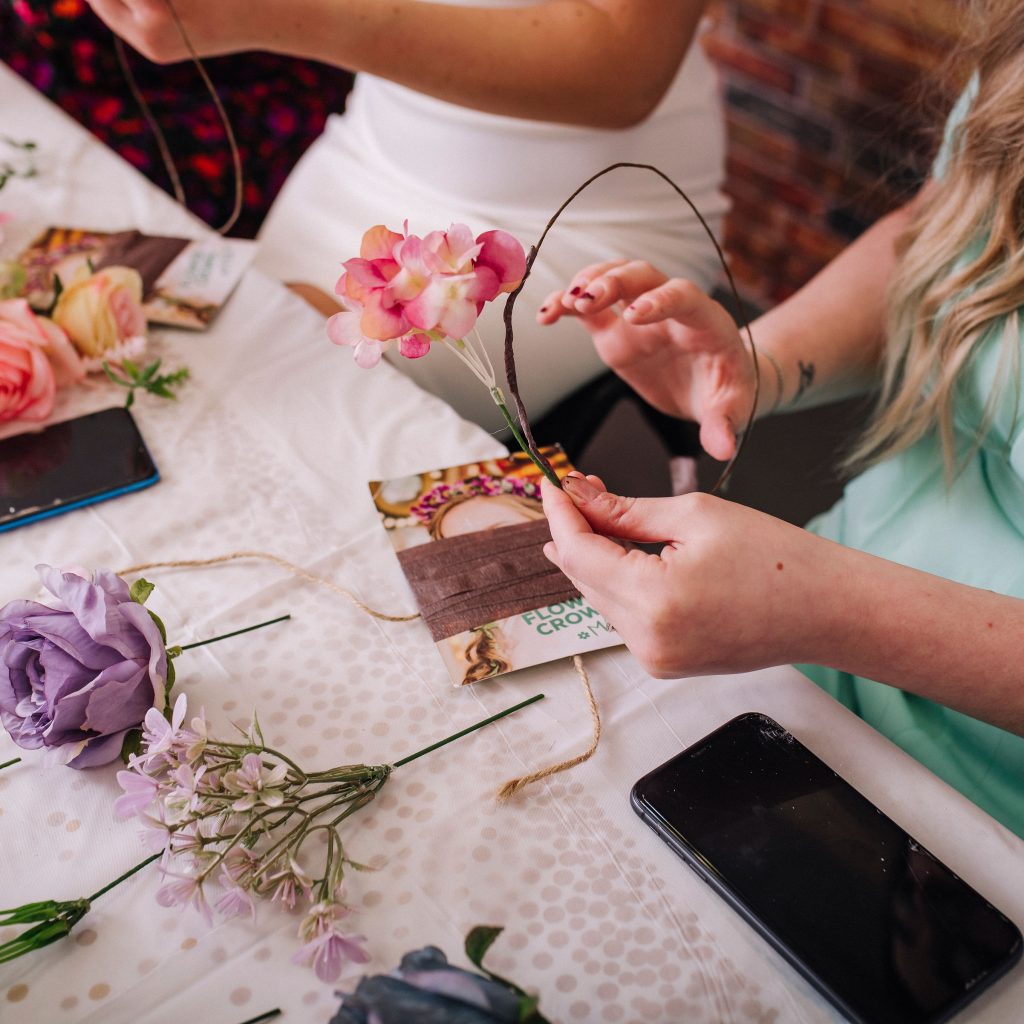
939, 313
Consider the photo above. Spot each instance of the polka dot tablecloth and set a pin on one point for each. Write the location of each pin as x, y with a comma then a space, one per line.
270, 448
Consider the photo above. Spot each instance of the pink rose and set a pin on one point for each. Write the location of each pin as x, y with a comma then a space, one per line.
35, 358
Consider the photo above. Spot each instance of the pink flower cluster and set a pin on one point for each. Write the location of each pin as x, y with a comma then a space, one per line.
414, 290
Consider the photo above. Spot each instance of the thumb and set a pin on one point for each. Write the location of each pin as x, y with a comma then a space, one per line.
639, 519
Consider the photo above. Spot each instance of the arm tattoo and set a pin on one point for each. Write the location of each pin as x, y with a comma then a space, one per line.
806, 379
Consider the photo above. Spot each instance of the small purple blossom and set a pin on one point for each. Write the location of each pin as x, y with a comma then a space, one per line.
327, 947
139, 792
183, 891
256, 784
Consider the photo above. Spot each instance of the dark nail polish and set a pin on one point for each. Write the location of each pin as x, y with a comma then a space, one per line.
587, 295
543, 309
574, 291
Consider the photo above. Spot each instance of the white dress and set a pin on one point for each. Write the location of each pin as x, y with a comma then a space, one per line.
396, 154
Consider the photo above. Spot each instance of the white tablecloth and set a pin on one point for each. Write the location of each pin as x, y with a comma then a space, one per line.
270, 447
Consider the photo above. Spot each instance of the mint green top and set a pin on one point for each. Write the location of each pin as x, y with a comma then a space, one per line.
971, 531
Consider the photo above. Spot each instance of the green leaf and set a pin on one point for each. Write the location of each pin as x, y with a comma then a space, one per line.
131, 368
169, 681
528, 1009
140, 591
41, 911
159, 625
113, 376
58, 289
479, 940
132, 744
149, 372
130, 400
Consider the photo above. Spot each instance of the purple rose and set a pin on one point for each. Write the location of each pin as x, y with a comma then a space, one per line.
82, 672
427, 989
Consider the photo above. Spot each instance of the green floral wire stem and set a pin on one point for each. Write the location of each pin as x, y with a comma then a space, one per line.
543, 466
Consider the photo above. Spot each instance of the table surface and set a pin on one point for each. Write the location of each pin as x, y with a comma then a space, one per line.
270, 448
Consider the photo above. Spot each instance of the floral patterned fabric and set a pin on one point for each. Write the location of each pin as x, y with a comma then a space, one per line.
277, 105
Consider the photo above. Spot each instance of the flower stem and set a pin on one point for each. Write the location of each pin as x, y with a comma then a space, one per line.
499, 401
472, 728
7, 764
128, 874
237, 632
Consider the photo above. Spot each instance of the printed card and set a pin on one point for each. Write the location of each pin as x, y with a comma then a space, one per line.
470, 542
184, 282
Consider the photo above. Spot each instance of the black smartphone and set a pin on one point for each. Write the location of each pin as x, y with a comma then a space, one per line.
885, 931
70, 464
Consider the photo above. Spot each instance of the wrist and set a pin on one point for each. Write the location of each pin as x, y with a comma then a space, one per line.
772, 386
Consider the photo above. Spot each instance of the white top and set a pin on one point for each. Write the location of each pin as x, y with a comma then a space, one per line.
398, 154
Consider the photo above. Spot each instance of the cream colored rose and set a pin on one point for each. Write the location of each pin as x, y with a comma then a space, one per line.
101, 311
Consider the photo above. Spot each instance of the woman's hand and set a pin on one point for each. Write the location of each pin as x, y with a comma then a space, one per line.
732, 590
669, 341
213, 26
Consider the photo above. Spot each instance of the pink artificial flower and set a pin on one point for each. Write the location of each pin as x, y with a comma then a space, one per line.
451, 303
418, 290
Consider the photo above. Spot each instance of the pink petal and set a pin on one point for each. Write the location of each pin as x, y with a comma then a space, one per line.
382, 320
414, 346
503, 254
367, 353
378, 243
343, 328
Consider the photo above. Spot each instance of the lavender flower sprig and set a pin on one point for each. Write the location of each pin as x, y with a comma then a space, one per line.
241, 820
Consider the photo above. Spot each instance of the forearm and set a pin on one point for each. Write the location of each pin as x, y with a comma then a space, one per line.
954, 644
604, 63
826, 340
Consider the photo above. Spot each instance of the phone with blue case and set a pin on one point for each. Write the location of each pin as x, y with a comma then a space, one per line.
71, 464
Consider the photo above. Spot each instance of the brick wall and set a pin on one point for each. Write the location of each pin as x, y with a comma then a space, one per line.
833, 111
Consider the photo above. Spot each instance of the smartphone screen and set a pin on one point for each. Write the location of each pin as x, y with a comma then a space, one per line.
888, 933
70, 464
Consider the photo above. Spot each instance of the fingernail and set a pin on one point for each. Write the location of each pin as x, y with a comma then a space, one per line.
543, 309
641, 307
575, 291
579, 488
588, 295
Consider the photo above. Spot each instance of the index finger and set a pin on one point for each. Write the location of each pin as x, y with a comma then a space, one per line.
583, 555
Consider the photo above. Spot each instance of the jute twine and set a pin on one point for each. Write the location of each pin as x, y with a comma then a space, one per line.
513, 786
508, 789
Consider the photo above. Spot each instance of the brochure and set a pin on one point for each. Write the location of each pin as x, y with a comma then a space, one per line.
470, 541
184, 282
